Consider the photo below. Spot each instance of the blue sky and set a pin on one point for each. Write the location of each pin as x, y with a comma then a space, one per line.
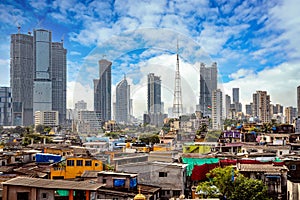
255, 43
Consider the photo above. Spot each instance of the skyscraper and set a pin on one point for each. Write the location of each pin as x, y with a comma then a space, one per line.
42, 85
5, 106
298, 100
290, 114
235, 95
154, 94
154, 100
261, 106
122, 102
59, 81
38, 76
102, 91
227, 105
208, 83
217, 109
21, 78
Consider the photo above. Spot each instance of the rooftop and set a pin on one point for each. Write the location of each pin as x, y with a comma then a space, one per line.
53, 184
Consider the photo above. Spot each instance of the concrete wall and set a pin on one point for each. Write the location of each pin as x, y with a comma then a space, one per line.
175, 178
293, 190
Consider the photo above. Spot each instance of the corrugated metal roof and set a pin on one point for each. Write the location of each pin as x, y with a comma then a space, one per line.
53, 184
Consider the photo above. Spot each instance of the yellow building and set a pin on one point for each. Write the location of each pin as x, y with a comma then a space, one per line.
74, 168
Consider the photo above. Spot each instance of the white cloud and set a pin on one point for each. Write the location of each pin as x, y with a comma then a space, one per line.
11, 16
76, 92
4, 75
75, 53
241, 73
280, 82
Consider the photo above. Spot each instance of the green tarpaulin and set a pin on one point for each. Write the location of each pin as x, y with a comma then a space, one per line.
197, 161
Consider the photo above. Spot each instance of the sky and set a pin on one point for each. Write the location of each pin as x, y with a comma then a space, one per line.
255, 43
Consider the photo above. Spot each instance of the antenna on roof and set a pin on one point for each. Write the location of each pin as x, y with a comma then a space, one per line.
19, 29
62, 38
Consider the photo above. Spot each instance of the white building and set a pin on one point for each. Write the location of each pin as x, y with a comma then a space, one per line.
217, 109
46, 118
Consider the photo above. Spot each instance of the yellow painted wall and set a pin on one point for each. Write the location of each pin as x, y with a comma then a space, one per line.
70, 172
196, 149
161, 148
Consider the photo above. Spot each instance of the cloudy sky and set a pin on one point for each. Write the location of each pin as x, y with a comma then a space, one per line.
256, 44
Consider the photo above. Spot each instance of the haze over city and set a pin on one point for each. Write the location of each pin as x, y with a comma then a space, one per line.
254, 43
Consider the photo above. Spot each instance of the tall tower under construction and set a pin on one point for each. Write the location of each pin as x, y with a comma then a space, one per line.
177, 101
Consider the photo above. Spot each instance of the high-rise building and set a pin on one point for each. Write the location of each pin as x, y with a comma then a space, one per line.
290, 114
42, 84
227, 105
249, 109
80, 105
217, 110
122, 114
208, 83
46, 118
261, 106
21, 78
5, 106
38, 76
235, 95
154, 94
154, 100
298, 100
102, 91
59, 79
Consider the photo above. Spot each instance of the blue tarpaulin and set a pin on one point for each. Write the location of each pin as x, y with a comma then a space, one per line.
133, 182
119, 182
47, 158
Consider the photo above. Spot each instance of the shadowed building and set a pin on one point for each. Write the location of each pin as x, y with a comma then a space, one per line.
102, 90
122, 106
208, 83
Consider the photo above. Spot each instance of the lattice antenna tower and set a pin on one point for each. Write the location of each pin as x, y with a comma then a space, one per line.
177, 101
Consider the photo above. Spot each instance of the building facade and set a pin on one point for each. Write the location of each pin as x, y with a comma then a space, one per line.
38, 76
46, 118
89, 122
122, 106
208, 83
290, 114
59, 79
154, 100
227, 106
261, 106
5, 106
217, 110
21, 78
298, 100
102, 90
42, 85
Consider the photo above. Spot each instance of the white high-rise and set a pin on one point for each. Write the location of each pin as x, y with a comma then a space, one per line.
217, 109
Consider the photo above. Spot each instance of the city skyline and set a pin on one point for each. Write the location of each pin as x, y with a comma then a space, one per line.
253, 43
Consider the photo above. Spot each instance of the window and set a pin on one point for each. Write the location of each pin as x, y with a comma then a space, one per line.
104, 180
96, 164
22, 195
88, 163
79, 162
44, 195
176, 193
163, 174
293, 167
70, 162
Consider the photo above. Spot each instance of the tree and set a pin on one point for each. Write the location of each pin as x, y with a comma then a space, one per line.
229, 184
149, 138
39, 128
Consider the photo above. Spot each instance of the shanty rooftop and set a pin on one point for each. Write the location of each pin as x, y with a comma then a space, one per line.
53, 184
